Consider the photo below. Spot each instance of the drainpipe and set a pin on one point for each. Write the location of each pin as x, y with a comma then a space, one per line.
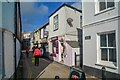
15, 28
3, 63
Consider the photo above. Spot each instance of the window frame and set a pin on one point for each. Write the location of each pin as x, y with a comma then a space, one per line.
99, 58
97, 7
55, 22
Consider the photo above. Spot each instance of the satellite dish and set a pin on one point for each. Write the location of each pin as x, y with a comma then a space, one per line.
69, 21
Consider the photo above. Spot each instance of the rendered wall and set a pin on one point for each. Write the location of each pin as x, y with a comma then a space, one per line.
8, 16
8, 54
0, 52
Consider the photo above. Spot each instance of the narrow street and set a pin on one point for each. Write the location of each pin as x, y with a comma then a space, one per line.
30, 71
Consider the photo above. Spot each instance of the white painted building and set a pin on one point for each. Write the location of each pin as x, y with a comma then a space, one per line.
10, 38
64, 25
101, 37
26, 35
26, 40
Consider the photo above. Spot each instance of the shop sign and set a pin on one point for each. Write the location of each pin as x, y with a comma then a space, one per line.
54, 38
45, 34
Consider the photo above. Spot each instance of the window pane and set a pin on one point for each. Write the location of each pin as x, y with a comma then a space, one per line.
112, 55
110, 3
103, 42
55, 22
111, 40
102, 4
104, 55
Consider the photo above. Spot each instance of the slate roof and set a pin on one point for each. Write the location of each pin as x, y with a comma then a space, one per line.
73, 44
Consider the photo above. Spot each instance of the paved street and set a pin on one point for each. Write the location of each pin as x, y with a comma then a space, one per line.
46, 70
29, 70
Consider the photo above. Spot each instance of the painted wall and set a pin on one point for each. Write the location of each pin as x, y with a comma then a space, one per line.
119, 37
0, 14
18, 51
8, 54
90, 47
0, 51
61, 23
63, 28
26, 35
8, 16
68, 58
77, 51
63, 14
91, 16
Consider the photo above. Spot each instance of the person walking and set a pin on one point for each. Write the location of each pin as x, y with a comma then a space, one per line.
36, 54
27, 52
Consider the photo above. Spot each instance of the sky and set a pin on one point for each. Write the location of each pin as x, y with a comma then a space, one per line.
35, 14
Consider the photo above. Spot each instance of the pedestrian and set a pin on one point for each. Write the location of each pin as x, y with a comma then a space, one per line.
33, 48
41, 50
36, 54
27, 52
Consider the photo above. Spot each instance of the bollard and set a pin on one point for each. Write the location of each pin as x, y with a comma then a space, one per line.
103, 73
57, 78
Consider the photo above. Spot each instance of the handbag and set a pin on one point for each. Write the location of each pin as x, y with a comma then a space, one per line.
33, 59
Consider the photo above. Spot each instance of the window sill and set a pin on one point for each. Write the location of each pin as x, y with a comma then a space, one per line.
103, 11
97, 64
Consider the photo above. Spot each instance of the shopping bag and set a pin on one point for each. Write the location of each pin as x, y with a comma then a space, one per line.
33, 59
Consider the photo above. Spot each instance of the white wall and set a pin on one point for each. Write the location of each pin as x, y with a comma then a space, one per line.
18, 51
77, 51
0, 51
89, 15
119, 38
61, 21
26, 35
90, 47
8, 54
8, 16
0, 14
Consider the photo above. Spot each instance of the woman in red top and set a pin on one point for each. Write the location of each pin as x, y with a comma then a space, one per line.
36, 55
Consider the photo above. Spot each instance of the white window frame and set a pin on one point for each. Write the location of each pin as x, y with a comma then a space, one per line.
103, 62
97, 7
55, 22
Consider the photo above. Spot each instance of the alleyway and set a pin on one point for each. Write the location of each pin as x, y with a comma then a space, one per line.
47, 70
31, 71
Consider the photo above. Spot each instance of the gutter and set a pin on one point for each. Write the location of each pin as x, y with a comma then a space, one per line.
15, 28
